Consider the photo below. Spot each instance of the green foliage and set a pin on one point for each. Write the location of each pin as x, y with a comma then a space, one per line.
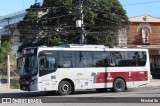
5, 38
102, 21
4, 50
7, 47
31, 15
15, 86
56, 41
2, 56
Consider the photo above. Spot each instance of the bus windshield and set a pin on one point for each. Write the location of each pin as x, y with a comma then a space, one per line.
27, 65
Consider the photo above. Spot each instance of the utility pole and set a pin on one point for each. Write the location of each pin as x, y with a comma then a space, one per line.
82, 37
8, 70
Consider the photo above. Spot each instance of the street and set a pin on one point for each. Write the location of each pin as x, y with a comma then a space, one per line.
132, 96
132, 92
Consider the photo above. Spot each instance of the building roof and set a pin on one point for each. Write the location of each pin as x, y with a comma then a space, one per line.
144, 18
13, 14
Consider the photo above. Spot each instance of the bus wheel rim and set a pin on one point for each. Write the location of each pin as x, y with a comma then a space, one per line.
65, 88
119, 85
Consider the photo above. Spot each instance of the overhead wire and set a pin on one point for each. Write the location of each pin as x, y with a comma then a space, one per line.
142, 3
68, 15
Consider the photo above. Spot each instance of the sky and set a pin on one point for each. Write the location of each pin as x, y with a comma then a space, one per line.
132, 7
141, 7
10, 6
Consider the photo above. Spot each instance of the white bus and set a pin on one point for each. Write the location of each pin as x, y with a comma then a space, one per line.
78, 67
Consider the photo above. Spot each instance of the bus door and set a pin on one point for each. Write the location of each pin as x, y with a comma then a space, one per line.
47, 68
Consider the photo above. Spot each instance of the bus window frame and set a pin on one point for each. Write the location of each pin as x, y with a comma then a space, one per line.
42, 72
29, 55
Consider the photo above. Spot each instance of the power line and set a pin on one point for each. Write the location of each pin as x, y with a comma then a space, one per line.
74, 7
142, 3
41, 8
47, 18
99, 33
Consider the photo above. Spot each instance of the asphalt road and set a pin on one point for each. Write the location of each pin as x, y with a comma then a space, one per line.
131, 97
133, 92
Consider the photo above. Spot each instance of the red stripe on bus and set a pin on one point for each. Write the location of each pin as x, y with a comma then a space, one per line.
106, 77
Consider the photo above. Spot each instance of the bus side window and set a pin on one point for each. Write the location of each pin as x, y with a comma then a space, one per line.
42, 62
81, 60
84, 59
47, 63
52, 64
66, 59
67, 64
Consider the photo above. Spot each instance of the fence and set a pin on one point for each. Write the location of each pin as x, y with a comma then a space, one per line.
9, 75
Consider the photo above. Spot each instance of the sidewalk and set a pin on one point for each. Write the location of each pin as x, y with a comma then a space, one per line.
5, 89
154, 83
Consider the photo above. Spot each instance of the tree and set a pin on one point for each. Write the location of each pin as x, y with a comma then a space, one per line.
56, 19
4, 50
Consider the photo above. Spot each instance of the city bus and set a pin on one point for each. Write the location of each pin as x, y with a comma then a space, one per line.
68, 68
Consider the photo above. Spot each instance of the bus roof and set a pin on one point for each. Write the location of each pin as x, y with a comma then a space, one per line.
82, 46
79, 47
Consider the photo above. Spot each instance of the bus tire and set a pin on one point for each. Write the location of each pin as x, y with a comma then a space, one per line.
119, 85
65, 88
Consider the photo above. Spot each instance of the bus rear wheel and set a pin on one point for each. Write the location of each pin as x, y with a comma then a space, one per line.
64, 88
119, 85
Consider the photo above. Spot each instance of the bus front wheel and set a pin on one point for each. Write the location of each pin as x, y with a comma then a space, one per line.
64, 88
119, 85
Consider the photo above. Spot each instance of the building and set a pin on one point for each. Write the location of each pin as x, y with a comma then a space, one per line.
10, 22
8, 26
122, 37
144, 32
